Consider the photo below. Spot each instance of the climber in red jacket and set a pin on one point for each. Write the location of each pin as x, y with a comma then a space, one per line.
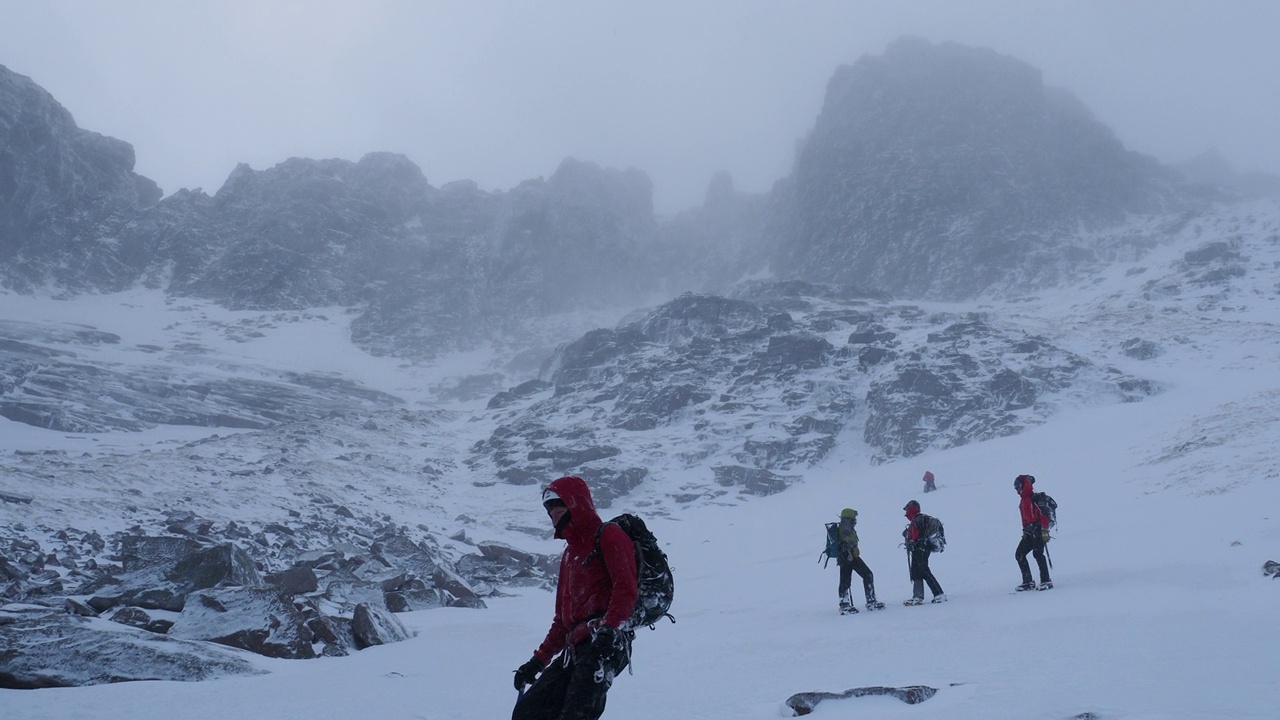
589, 639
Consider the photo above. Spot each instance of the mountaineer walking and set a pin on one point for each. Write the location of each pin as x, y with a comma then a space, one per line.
1035, 536
589, 642
923, 536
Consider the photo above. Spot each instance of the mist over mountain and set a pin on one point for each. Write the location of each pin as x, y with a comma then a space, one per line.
932, 170
1212, 168
63, 192
337, 382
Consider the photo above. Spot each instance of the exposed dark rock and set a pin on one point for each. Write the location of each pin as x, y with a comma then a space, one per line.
67, 650
933, 170
1140, 349
1214, 251
333, 634
220, 565
804, 703
376, 626
752, 481
12, 497
297, 580
346, 594
259, 620
1272, 568
409, 600
75, 606
450, 581
63, 194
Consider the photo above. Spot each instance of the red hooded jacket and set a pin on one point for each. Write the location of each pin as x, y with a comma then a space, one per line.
604, 588
912, 531
1030, 512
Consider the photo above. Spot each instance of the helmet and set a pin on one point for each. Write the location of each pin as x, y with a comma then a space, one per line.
551, 498
913, 505
849, 513
1018, 481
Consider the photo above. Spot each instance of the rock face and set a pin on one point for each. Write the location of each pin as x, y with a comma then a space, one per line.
486, 263
934, 169
762, 384
50, 377
63, 192
931, 172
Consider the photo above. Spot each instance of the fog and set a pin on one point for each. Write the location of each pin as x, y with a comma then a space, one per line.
500, 92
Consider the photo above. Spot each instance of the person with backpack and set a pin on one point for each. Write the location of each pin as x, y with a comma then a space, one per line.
1035, 535
849, 559
921, 539
589, 642
928, 482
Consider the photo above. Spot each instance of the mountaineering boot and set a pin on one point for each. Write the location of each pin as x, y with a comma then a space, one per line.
1025, 587
1048, 585
847, 608
913, 601
874, 604
939, 598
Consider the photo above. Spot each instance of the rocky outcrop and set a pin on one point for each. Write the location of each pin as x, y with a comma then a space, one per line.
50, 377
372, 625
60, 650
196, 586
489, 262
933, 170
767, 380
64, 195
1210, 167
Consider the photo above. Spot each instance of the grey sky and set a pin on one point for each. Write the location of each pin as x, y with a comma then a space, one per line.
500, 92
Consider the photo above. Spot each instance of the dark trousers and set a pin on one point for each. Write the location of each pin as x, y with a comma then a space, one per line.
920, 572
574, 690
847, 569
1034, 545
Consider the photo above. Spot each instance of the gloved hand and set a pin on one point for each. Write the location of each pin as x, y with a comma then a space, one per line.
1044, 535
528, 672
856, 552
604, 639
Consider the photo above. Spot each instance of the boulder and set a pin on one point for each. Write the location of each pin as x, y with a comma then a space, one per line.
333, 635
410, 600
297, 580
376, 626
804, 703
259, 620
68, 650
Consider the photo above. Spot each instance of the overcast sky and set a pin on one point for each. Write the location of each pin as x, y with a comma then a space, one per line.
500, 92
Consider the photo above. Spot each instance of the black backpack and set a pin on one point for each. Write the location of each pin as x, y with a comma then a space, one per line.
1048, 507
656, 585
933, 534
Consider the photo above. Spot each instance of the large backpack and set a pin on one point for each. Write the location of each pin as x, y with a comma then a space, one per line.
933, 534
1048, 507
656, 585
833, 543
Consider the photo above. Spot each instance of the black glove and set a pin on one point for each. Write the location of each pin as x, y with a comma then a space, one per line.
528, 672
604, 639
1044, 536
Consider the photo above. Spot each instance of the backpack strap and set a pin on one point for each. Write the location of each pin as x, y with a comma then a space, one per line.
595, 549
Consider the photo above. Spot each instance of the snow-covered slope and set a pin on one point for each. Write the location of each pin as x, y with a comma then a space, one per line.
1167, 510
